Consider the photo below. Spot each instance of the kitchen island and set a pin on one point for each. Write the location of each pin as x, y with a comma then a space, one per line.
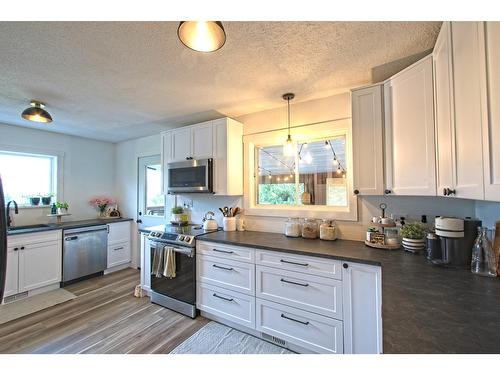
425, 308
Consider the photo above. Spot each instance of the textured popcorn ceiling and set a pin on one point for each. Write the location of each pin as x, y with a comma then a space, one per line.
121, 80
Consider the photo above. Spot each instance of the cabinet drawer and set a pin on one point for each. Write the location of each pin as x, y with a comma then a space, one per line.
300, 263
311, 331
118, 254
239, 253
312, 293
119, 232
227, 304
229, 274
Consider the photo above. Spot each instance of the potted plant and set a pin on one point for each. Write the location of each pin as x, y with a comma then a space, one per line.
34, 200
413, 237
46, 199
101, 203
62, 207
178, 214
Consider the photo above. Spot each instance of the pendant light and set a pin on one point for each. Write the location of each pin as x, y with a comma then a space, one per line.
36, 112
288, 149
202, 36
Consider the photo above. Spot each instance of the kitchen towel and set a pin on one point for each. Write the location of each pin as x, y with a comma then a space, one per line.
158, 263
169, 267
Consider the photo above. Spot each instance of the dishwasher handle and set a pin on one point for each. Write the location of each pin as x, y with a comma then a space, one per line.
71, 238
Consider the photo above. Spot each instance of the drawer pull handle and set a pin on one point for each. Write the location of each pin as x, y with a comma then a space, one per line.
294, 320
118, 248
294, 283
223, 251
295, 263
224, 298
223, 268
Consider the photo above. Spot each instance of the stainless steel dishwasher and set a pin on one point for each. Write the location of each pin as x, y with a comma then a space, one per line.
84, 252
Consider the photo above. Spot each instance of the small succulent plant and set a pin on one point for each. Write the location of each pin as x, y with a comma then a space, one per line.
413, 231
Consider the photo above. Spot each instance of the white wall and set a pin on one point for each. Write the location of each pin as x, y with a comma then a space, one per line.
127, 154
88, 169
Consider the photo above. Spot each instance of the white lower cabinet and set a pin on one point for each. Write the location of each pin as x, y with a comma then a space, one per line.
12, 276
311, 331
306, 303
119, 244
34, 261
40, 264
227, 304
362, 297
229, 274
312, 293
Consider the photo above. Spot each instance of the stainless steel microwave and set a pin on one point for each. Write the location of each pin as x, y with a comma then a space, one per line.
190, 176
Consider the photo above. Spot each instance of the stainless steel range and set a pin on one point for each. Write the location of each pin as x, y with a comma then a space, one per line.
173, 266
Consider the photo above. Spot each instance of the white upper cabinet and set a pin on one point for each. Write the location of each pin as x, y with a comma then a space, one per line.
443, 89
491, 126
220, 140
202, 141
181, 145
466, 132
367, 130
409, 131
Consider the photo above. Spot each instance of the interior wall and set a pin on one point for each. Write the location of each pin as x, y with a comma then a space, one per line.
127, 154
88, 170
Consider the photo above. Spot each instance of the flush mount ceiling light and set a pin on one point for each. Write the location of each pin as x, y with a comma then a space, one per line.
202, 36
288, 145
36, 112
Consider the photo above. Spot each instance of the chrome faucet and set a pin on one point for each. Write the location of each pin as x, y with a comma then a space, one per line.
7, 212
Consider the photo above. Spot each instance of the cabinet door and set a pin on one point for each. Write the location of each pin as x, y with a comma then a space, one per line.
39, 265
467, 109
118, 232
12, 276
145, 263
181, 144
362, 300
367, 141
166, 157
202, 138
409, 124
491, 127
443, 101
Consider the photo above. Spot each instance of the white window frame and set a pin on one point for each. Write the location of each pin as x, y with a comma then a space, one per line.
329, 129
34, 151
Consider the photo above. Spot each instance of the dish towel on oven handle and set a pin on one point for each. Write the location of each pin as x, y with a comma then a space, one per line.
157, 265
169, 259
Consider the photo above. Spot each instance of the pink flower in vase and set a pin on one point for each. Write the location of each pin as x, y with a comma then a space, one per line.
101, 203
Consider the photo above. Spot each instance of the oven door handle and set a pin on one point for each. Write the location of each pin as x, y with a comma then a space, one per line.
182, 250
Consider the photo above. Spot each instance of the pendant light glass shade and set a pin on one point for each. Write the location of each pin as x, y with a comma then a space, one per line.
202, 36
36, 113
288, 146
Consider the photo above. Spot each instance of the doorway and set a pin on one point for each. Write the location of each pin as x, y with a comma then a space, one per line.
150, 200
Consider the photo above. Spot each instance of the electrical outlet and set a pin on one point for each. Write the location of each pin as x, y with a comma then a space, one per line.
187, 203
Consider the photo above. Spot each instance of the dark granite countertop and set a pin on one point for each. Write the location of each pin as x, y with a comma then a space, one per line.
425, 308
65, 225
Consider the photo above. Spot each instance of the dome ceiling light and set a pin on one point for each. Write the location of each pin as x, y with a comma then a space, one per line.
202, 36
36, 112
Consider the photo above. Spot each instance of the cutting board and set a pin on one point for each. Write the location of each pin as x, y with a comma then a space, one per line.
496, 245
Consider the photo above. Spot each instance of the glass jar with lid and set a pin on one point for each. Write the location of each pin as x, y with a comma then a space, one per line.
327, 230
310, 228
293, 227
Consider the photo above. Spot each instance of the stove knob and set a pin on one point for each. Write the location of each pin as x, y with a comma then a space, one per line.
187, 239
181, 238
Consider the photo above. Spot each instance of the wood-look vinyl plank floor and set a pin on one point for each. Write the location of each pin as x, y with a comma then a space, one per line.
104, 318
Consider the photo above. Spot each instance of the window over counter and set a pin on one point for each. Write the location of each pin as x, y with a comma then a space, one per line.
311, 181
29, 178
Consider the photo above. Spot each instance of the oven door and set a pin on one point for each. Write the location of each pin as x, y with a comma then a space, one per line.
190, 176
183, 286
